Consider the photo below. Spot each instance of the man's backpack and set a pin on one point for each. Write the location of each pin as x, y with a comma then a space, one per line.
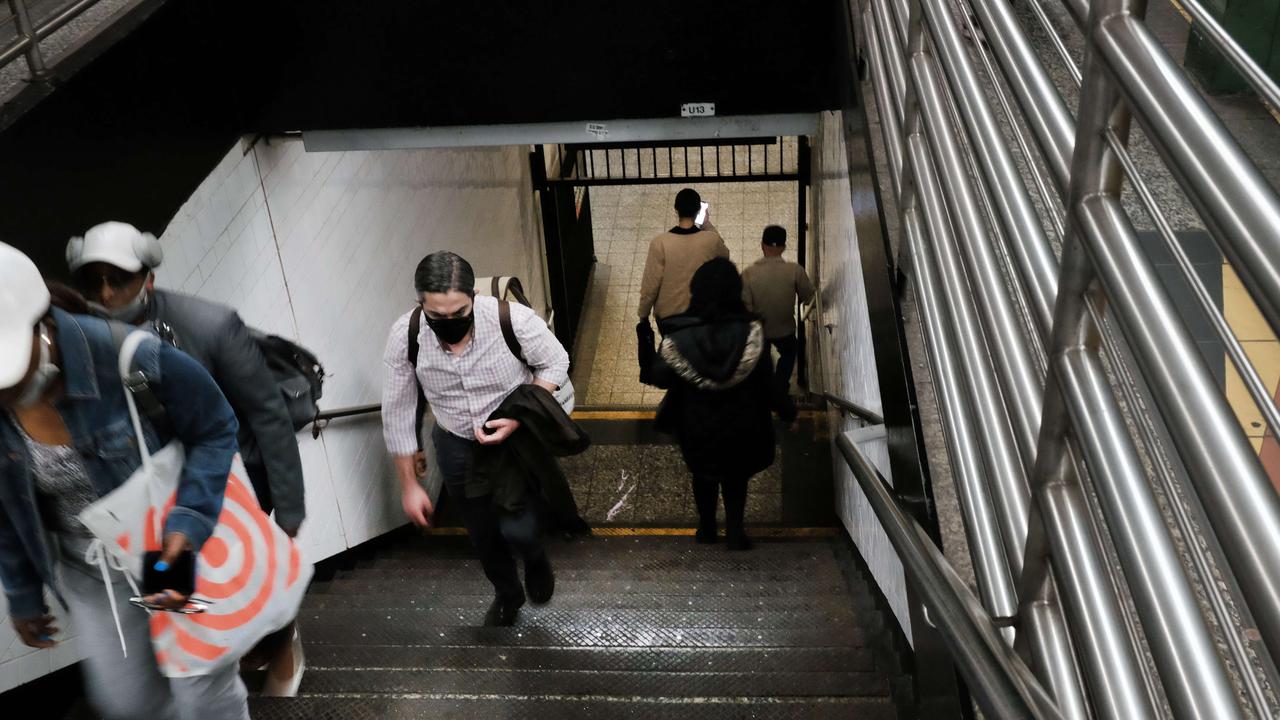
296, 370
298, 373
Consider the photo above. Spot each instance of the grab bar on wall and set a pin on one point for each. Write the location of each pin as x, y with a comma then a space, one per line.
853, 408
999, 680
321, 420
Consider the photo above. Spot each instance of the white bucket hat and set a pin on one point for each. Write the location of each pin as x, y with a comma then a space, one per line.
24, 299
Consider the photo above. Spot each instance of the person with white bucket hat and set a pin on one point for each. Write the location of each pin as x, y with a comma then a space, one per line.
66, 439
114, 264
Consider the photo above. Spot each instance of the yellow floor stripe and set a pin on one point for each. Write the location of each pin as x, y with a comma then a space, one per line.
614, 414
759, 532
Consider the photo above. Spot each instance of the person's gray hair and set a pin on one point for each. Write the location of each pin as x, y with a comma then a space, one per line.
443, 271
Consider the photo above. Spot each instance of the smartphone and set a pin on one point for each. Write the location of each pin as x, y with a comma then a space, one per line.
180, 577
194, 606
702, 214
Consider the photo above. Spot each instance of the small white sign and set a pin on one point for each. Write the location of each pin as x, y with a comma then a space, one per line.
698, 110
598, 129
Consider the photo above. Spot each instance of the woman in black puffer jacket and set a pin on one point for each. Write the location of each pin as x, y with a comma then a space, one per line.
717, 370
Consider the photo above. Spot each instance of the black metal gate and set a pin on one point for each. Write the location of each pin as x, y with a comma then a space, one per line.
564, 175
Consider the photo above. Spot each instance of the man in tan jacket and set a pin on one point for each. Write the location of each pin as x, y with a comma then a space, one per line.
771, 287
673, 258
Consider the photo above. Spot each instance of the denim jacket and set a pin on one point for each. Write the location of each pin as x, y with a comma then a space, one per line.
97, 416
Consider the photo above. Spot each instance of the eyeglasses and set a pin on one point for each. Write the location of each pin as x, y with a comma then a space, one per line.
89, 281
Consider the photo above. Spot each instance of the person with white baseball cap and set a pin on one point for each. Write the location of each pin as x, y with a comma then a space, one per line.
66, 439
114, 265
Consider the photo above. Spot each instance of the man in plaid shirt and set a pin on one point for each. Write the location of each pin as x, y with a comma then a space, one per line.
466, 370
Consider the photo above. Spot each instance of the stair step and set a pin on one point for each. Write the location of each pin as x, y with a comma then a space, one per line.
377, 630
522, 707
551, 615
640, 628
664, 660
666, 552
663, 546
569, 598
476, 584
593, 682
460, 572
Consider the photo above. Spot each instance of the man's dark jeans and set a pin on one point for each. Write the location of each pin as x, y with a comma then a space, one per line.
492, 532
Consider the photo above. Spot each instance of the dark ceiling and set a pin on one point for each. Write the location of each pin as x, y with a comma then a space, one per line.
132, 134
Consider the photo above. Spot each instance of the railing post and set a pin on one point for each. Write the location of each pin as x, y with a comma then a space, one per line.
27, 29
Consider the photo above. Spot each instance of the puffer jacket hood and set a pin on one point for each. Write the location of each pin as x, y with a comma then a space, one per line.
713, 355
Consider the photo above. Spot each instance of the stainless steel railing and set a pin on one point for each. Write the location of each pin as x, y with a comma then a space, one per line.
29, 33
1037, 389
1000, 681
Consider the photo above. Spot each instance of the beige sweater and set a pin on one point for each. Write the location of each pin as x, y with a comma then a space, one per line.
673, 259
770, 287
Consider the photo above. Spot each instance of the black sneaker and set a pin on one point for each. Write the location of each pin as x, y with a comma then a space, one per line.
502, 613
739, 541
539, 580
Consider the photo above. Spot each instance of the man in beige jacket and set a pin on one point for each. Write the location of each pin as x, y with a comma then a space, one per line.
770, 287
673, 258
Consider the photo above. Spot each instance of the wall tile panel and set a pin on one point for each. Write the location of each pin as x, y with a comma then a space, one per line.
849, 353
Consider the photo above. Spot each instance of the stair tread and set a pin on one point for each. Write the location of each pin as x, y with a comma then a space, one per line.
476, 584
376, 630
715, 558
403, 707
579, 617
640, 627
618, 546
667, 660
468, 571
594, 682
568, 598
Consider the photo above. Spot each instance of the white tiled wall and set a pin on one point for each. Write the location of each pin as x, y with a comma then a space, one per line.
321, 247
849, 358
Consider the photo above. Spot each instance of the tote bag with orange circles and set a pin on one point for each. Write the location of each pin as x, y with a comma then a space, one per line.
251, 572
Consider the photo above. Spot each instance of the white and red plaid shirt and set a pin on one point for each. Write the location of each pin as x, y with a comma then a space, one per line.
464, 389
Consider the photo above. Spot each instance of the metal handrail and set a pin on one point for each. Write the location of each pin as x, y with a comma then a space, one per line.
31, 34
999, 680
1223, 42
321, 420
866, 415
964, 205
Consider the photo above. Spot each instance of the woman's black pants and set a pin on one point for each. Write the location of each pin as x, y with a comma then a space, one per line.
734, 490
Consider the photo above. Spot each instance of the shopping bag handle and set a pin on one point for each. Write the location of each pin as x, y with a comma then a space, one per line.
132, 382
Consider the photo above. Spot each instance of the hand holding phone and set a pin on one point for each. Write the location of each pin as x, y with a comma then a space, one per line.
702, 214
178, 575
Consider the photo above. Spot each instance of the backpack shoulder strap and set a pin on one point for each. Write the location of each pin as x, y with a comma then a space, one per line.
509, 331
415, 327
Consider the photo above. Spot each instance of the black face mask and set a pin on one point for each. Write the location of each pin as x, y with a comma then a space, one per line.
452, 330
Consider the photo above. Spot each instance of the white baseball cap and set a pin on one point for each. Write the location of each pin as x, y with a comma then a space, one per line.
24, 299
114, 243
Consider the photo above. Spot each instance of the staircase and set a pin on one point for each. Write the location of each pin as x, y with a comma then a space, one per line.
640, 627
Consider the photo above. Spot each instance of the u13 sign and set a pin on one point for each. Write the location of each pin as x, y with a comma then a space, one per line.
698, 110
